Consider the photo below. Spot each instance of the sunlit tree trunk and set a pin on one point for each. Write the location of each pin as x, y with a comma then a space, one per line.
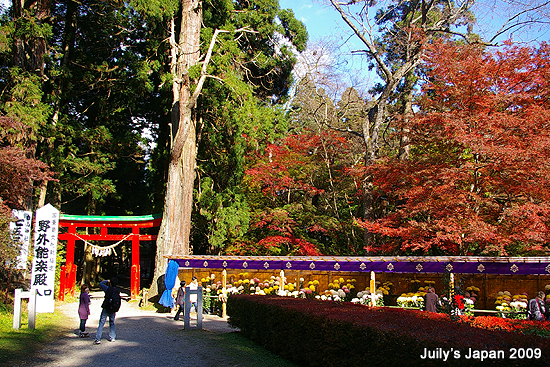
174, 232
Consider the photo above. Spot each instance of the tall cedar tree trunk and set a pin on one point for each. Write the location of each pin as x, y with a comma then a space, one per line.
173, 238
69, 33
29, 55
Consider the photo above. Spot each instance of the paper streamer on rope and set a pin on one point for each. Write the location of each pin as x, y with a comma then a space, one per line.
102, 251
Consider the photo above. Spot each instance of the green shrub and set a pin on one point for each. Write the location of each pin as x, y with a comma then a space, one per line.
320, 333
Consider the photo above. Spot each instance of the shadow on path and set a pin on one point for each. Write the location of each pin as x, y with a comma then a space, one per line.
145, 338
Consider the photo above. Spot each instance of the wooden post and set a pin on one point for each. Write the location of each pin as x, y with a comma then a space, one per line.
373, 289
69, 261
135, 263
32, 308
17, 309
19, 295
485, 291
281, 282
72, 280
224, 293
145, 298
451, 286
187, 316
62, 282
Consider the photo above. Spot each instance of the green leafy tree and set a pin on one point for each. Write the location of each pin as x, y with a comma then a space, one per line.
98, 95
228, 53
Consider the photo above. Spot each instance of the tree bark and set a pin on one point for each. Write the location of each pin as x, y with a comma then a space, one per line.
408, 114
30, 54
173, 237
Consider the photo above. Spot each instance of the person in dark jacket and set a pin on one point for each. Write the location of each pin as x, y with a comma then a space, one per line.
537, 308
180, 300
431, 300
109, 287
84, 309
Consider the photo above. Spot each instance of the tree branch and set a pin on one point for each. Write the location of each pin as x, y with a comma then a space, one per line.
208, 56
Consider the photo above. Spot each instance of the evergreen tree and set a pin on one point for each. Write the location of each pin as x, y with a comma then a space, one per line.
227, 67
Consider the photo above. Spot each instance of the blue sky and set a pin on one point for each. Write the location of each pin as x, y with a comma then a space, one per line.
322, 20
323, 23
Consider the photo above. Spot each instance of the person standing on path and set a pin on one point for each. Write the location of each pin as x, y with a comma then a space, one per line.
110, 306
84, 309
180, 300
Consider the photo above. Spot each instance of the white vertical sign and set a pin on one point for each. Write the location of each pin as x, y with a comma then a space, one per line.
21, 234
43, 265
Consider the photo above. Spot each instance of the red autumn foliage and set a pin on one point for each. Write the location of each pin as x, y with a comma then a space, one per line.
17, 168
350, 334
478, 179
297, 185
297, 246
286, 167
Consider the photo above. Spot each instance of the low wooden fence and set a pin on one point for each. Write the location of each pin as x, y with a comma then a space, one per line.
489, 285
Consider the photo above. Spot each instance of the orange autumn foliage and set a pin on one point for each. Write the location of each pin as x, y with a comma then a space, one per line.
478, 179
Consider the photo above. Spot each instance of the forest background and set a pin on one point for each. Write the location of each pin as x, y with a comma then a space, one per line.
439, 145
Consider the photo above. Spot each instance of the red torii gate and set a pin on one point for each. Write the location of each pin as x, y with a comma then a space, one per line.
72, 222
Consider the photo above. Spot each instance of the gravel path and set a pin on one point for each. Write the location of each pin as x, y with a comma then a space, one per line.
145, 338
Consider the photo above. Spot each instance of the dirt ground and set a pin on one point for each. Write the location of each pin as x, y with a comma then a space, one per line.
147, 338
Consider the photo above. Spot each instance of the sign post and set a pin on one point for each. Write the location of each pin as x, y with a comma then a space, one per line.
21, 234
198, 308
44, 261
19, 295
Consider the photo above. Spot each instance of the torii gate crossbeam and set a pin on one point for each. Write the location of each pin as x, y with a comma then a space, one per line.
135, 223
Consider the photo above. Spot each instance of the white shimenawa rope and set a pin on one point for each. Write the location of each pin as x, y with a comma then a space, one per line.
103, 251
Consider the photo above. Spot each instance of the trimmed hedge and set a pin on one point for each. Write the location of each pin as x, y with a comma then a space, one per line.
311, 332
